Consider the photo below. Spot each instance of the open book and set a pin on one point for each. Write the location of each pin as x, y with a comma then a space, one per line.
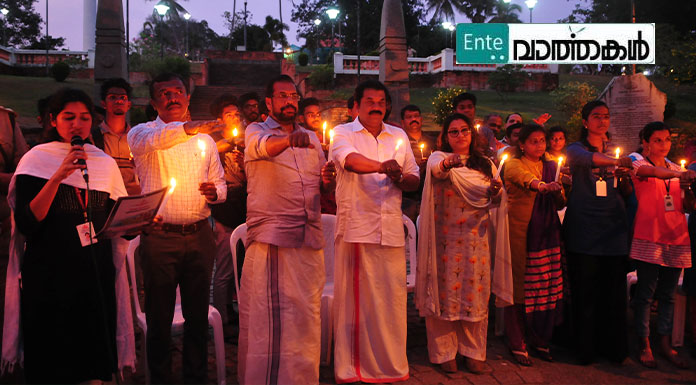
132, 213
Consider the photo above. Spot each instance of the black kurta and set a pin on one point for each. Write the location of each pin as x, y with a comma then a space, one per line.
65, 339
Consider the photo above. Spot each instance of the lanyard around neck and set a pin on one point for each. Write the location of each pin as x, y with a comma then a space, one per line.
666, 182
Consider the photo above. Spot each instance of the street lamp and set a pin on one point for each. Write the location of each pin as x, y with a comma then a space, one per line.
446, 25
507, 1
530, 5
333, 14
4, 12
187, 16
161, 9
317, 22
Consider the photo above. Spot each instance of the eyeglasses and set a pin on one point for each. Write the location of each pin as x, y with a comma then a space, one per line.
294, 97
455, 133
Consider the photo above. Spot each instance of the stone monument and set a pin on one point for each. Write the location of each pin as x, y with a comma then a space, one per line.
110, 56
633, 102
393, 55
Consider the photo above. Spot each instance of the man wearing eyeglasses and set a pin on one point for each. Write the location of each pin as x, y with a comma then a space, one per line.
283, 274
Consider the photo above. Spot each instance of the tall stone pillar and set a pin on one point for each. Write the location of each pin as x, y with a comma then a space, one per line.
110, 56
393, 55
89, 22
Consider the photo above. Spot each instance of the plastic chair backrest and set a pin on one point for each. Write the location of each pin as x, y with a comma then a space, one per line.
239, 234
130, 260
328, 225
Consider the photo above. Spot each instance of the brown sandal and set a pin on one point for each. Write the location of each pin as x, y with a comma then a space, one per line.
522, 357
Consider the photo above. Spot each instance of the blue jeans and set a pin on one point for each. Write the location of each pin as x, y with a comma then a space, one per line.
659, 282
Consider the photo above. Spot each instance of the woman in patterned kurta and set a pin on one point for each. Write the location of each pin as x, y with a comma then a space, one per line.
660, 246
454, 259
535, 244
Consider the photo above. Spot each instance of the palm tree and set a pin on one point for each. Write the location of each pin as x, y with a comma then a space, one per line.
176, 10
444, 9
276, 31
506, 13
475, 10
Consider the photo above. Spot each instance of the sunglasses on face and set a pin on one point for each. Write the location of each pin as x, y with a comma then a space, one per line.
455, 133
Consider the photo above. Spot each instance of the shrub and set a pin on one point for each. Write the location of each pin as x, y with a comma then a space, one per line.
175, 64
506, 79
322, 77
570, 98
303, 59
60, 71
442, 103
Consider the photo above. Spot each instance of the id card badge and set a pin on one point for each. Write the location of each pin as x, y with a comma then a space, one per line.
601, 188
83, 231
669, 203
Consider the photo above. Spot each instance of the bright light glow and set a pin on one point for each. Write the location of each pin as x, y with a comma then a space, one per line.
201, 145
288, 51
4, 11
333, 13
187, 15
235, 132
507, 1
683, 163
161, 8
446, 24
422, 146
646, 72
317, 22
452, 28
331, 135
172, 185
530, 3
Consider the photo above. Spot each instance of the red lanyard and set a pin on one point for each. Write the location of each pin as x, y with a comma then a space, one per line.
83, 204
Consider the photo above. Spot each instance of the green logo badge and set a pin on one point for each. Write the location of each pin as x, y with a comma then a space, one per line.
482, 43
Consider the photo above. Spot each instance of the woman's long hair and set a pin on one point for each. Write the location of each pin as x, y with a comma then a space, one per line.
585, 113
476, 160
526, 131
57, 103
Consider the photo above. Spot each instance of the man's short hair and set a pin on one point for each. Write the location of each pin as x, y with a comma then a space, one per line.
369, 85
410, 107
304, 103
490, 116
248, 96
115, 83
278, 79
220, 103
165, 77
462, 97
511, 128
351, 102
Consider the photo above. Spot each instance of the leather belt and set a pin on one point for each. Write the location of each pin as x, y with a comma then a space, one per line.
184, 229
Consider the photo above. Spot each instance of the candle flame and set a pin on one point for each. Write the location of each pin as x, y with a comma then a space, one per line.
683, 163
324, 126
398, 144
235, 132
172, 185
618, 152
422, 146
560, 160
505, 156
331, 134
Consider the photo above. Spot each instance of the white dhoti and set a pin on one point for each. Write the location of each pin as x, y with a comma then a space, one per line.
279, 315
446, 338
369, 313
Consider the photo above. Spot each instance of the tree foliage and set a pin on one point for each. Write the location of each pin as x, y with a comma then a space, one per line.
506, 13
506, 79
475, 10
570, 98
23, 26
442, 103
276, 31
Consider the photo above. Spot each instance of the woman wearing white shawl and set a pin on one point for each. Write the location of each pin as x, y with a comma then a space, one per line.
463, 239
59, 332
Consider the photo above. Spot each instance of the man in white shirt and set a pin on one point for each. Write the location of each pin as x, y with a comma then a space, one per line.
180, 251
374, 163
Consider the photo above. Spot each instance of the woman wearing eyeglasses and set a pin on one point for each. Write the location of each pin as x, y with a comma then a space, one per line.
535, 239
462, 226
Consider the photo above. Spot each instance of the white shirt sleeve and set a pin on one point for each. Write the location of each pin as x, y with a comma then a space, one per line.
149, 137
343, 144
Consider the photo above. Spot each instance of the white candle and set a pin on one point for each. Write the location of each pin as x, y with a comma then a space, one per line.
396, 149
616, 179
234, 137
331, 135
323, 133
167, 195
500, 166
558, 169
204, 169
422, 146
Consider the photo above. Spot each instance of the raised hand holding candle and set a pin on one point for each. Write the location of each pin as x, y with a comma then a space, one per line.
558, 169
167, 195
616, 179
500, 166
331, 135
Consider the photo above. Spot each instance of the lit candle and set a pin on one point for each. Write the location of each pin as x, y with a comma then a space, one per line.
683, 164
204, 169
500, 167
170, 191
331, 135
558, 169
323, 133
477, 126
422, 146
398, 144
234, 137
618, 152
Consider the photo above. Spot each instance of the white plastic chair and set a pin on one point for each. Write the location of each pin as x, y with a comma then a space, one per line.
410, 253
214, 320
328, 223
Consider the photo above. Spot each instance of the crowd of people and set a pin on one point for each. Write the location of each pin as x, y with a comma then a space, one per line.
550, 229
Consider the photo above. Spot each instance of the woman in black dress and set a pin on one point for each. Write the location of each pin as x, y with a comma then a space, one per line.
68, 301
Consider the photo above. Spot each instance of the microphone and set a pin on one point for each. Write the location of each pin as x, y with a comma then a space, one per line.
78, 141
